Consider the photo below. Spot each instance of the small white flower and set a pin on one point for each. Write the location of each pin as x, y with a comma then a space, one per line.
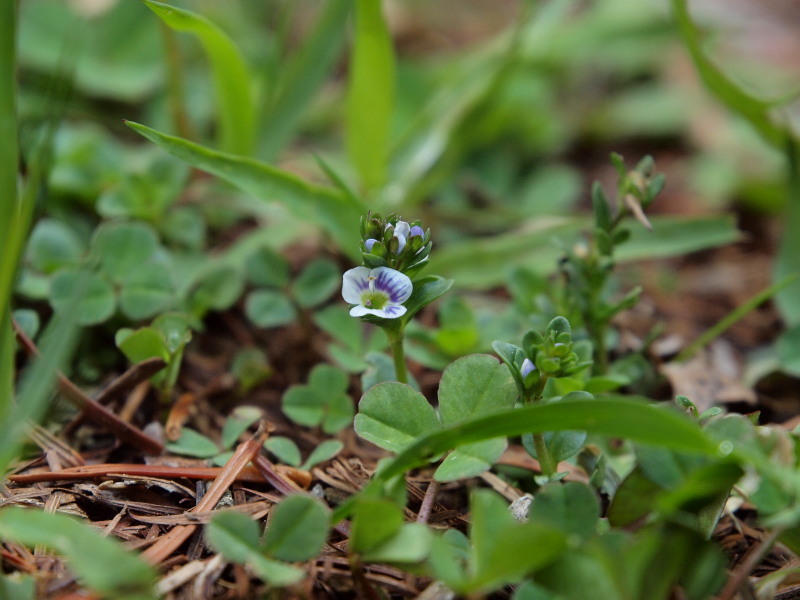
380, 292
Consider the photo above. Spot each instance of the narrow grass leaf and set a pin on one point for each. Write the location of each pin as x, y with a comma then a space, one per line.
303, 76
755, 110
100, 562
612, 415
231, 77
328, 208
370, 93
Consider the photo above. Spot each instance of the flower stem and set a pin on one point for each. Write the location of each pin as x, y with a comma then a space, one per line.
542, 452
398, 354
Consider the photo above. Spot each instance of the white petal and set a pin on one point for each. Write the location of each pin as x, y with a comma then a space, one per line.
359, 311
394, 283
354, 282
402, 228
401, 239
390, 311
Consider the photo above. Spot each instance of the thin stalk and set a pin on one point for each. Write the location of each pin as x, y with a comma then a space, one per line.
716, 330
398, 355
542, 452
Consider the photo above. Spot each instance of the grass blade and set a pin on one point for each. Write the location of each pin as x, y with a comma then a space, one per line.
755, 110
231, 76
632, 418
337, 213
370, 94
738, 313
100, 562
787, 261
304, 75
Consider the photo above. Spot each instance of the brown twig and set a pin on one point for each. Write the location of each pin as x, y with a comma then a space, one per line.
427, 502
94, 411
176, 536
108, 469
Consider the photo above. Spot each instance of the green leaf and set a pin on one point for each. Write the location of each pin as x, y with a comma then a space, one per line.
18, 588
316, 282
231, 77
98, 303
470, 460
285, 449
393, 416
612, 415
53, 245
146, 292
322, 401
174, 328
504, 549
572, 507
758, 112
330, 209
561, 444
267, 267
673, 236
269, 308
235, 536
634, 499
303, 75
100, 562
375, 522
142, 344
122, 248
426, 290
297, 529
217, 290
474, 385
411, 544
195, 444
370, 93
322, 453
238, 422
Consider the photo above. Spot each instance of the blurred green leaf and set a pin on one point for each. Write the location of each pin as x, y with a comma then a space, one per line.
303, 76
267, 267
122, 248
470, 460
100, 562
236, 536
370, 93
572, 507
322, 401
375, 521
269, 308
322, 453
316, 282
52, 245
217, 290
146, 292
285, 449
298, 528
330, 209
410, 544
192, 443
141, 344
98, 302
231, 77
238, 422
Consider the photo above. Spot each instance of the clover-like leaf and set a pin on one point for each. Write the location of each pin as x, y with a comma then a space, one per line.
392, 415
297, 529
322, 401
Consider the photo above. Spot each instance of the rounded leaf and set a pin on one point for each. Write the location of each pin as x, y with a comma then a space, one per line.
97, 296
298, 529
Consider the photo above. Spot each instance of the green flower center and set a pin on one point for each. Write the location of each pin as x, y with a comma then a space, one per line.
374, 299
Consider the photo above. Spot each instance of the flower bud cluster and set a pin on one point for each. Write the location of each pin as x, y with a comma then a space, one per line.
394, 243
550, 355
